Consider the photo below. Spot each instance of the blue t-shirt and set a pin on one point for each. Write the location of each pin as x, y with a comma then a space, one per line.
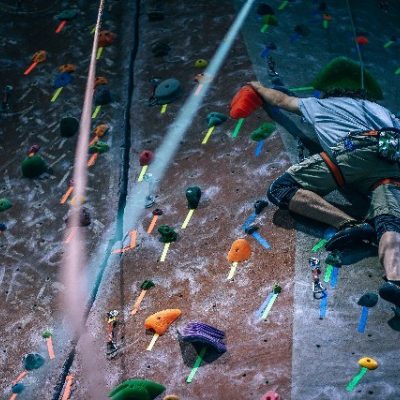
333, 118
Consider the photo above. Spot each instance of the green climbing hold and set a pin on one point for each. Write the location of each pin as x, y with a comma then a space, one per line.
368, 300
193, 195
67, 15
33, 166
33, 361
69, 126
263, 131
344, 73
5, 204
270, 20
46, 334
216, 118
137, 389
167, 233
277, 288
147, 284
99, 147
334, 259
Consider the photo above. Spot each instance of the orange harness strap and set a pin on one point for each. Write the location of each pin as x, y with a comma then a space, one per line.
336, 173
385, 181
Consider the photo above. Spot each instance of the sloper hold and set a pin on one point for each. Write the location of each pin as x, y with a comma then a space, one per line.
34, 166
167, 91
193, 195
68, 126
263, 131
240, 251
136, 389
216, 118
167, 233
5, 204
368, 300
160, 321
344, 73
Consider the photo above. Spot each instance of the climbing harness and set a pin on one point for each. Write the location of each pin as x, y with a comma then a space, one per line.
335, 170
319, 291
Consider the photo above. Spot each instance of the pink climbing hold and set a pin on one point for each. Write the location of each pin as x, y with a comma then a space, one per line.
271, 395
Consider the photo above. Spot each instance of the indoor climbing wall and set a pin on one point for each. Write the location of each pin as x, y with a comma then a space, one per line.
208, 295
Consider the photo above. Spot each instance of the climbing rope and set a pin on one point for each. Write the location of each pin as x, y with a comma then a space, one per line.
357, 45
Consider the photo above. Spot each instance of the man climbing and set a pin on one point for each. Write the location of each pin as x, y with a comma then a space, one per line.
361, 143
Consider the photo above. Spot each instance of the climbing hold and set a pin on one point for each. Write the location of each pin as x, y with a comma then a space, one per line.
168, 234
157, 211
271, 395
99, 81
277, 288
147, 284
240, 251
216, 118
146, 157
167, 91
3, 227
78, 200
67, 15
100, 130
33, 149
259, 205
270, 20
102, 96
368, 300
334, 259
99, 147
251, 229
62, 80
136, 389
39, 56
171, 397
18, 388
265, 9
160, 321
69, 126
362, 40
344, 73
155, 15
46, 334
245, 102
368, 362
106, 38
201, 63
34, 166
193, 195
198, 332
83, 217
69, 68
160, 49
5, 204
263, 131
32, 361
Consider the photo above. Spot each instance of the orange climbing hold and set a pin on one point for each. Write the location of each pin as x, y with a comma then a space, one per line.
106, 38
160, 322
69, 68
100, 80
245, 102
240, 251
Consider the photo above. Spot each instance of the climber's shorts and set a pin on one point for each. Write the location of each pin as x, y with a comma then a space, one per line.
361, 168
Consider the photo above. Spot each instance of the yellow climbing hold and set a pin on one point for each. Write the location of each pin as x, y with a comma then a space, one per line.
201, 63
368, 362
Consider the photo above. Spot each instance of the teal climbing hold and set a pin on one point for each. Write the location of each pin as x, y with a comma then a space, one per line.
216, 118
167, 91
5, 204
193, 195
99, 147
167, 233
33, 361
137, 389
67, 15
263, 131
33, 166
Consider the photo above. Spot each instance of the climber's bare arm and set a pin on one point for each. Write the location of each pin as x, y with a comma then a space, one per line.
277, 98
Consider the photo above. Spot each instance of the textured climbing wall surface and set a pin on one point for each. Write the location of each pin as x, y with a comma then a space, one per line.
293, 351
330, 348
31, 248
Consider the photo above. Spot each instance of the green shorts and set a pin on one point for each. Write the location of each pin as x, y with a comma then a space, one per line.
361, 169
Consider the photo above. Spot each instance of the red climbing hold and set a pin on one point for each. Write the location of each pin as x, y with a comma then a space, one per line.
362, 40
146, 157
245, 102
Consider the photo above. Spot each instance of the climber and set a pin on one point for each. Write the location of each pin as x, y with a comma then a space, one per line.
361, 143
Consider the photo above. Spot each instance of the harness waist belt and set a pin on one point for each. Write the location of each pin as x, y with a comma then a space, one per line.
385, 181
